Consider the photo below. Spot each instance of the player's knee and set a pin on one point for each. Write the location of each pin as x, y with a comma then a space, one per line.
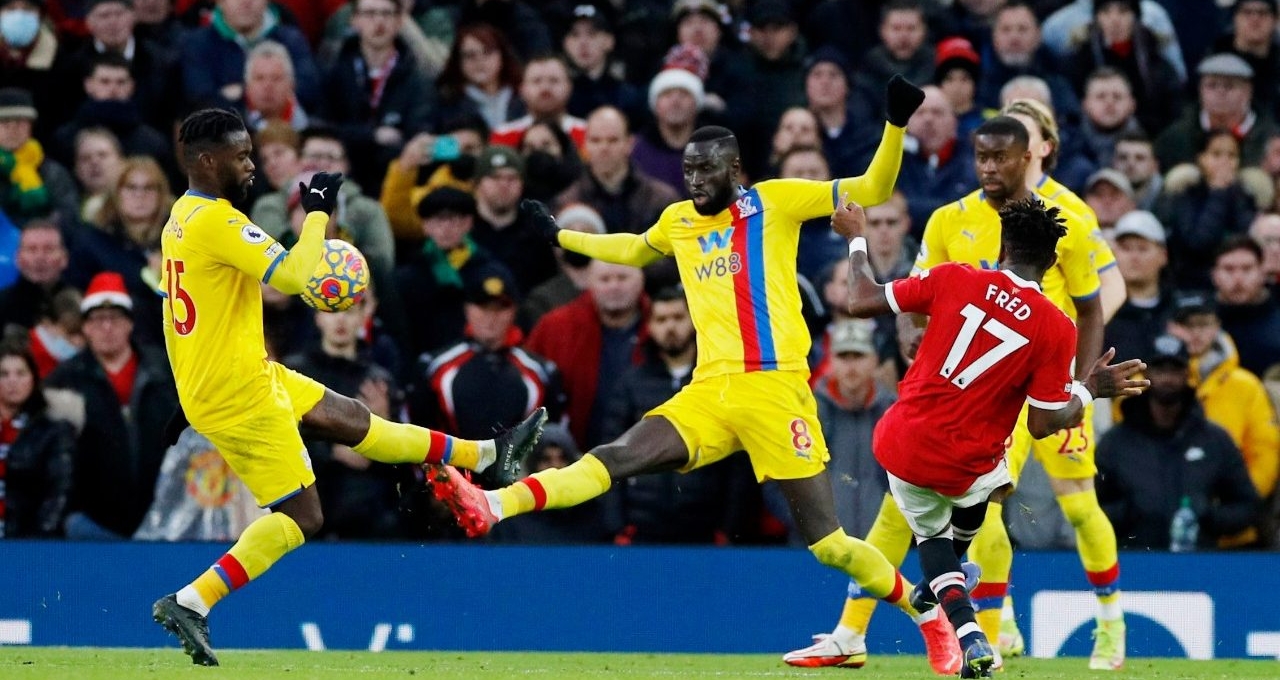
310, 521
832, 551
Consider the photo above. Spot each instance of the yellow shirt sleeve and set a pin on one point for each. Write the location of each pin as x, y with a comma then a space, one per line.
933, 245
248, 248
630, 249
1076, 253
874, 186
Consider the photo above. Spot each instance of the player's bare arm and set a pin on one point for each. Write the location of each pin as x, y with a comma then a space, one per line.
628, 249
1103, 381
1089, 325
866, 295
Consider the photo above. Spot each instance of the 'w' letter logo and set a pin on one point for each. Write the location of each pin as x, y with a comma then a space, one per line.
716, 240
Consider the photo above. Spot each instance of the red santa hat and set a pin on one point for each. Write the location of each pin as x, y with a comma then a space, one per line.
106, 290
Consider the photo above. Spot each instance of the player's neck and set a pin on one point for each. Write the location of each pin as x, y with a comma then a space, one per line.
1023, 271
203, 188
1021, 194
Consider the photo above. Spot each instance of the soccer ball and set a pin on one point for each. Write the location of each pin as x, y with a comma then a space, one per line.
340, 280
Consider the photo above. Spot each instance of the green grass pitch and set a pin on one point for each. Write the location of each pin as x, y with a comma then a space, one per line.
54, 663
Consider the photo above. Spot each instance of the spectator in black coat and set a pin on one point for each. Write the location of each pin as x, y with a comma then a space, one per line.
1252, 37
1017, 49
38, 444
588, 45
500, 228
1166, 451
1249, 311
42, 260
1139, 245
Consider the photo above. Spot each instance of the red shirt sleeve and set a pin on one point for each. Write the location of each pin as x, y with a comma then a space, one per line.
915, 293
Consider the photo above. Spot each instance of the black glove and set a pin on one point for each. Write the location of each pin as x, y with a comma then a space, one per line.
174, 428
542, 220
901, 100
322, 194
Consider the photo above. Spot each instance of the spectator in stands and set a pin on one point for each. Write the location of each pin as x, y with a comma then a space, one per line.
903, 49
430, 283
937, 167
1165, 451
29, 46
588, 45
551, 161
775, 59
97, 160
709, 505
1204, 208
481, 76
956, 73
110, 102
155, 21
1138, 241
1109, 112
486, 381
1026, 87
1252, 37
33, 184
501, 229
545, 89
850, 403
1117, 38
373, 94
593, 340
627, 199
1226, 103
1017, 50
1250, 314
359, 497
797, 128
706, 27
37, 438
270, 88
127, 395
213, 57
1266, 231
675, 98
1233, 398
58, 333
124, 229
153, 68
1135, 158
571, 280
842, 118
1110, 195
595, 521
278, 145
359, 218
515, 19
1069, 22
447, 158
42, 260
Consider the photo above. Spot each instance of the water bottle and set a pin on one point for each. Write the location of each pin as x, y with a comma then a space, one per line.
1185, 528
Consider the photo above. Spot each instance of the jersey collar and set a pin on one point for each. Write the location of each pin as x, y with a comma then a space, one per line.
201, 194
1023, 283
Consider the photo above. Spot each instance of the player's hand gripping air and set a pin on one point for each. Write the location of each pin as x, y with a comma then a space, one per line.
542, 220
321, 195
902, 98
1115, 380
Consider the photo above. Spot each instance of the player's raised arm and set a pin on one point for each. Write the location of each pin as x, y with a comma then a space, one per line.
874, 186
292, 270
629, 249
1103, 381
866, 297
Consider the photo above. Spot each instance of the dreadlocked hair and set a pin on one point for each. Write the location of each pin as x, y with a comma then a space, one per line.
1029, 232
207, 128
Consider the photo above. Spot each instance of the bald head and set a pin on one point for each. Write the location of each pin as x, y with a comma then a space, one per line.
608, 145
934, 123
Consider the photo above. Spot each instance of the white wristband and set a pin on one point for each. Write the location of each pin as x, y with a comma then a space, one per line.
1079, 389
857, 245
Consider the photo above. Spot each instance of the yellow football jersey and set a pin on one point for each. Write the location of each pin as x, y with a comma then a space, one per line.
214, 259
739, 272
968, 231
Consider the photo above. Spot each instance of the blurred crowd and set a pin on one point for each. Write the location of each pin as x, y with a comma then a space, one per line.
444, 114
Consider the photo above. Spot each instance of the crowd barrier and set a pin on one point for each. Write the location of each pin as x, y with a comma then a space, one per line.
635, 599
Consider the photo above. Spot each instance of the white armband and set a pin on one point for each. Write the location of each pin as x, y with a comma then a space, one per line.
857, 245
1079, 390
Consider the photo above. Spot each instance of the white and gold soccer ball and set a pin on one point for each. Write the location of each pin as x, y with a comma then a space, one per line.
341, 279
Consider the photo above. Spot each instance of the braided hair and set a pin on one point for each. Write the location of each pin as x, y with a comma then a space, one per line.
206, 129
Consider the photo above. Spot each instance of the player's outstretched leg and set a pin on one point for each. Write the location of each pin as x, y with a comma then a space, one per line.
947, 581
1096, 542
651, 444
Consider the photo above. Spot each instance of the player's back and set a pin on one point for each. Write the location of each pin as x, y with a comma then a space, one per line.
213, 310
993, 341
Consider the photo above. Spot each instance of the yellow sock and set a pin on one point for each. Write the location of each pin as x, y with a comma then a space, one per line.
1096, 542
992, 552
867, 566
262, 544
556, 488
892, 537
389, 442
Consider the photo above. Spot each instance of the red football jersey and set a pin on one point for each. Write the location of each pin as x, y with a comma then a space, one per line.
993, 342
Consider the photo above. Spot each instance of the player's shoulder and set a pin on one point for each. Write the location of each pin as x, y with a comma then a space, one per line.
677, 212
965, 207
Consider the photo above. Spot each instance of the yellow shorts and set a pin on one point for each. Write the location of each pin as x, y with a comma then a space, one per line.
1065, 454
770, 414
266, 452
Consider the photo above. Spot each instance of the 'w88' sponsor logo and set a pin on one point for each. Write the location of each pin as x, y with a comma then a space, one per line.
724, 265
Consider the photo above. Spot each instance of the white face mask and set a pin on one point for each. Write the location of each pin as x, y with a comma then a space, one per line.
19, 27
